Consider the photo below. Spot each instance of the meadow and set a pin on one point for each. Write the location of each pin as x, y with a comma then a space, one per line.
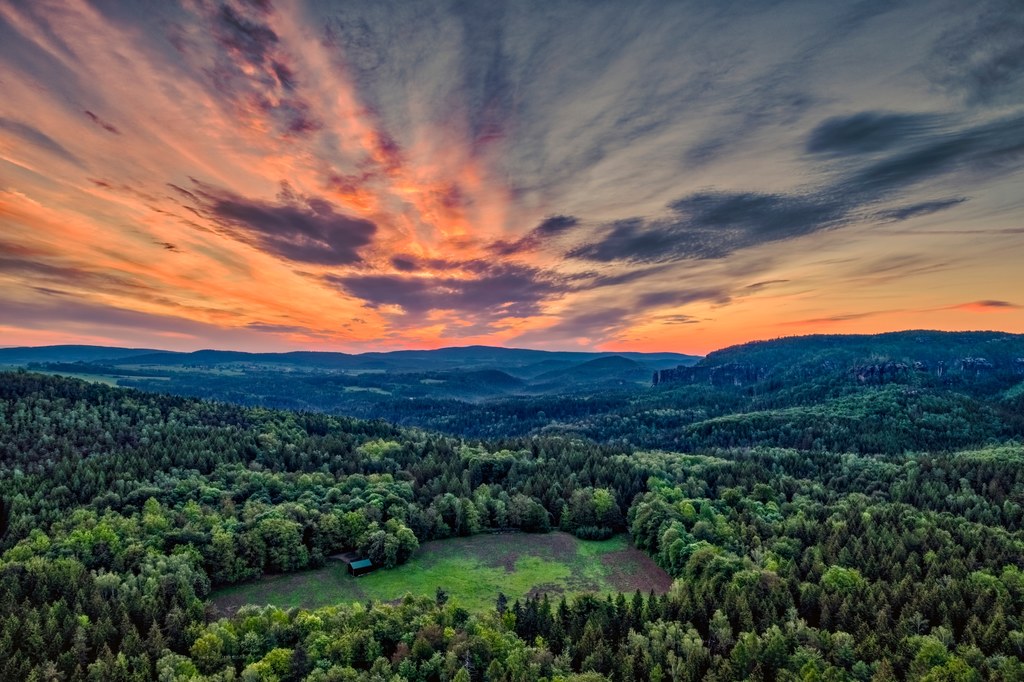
472, 570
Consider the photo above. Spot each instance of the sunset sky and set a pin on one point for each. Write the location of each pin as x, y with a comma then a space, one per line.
613, 175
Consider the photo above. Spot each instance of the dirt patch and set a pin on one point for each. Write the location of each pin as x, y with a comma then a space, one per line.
630, 570
550, 589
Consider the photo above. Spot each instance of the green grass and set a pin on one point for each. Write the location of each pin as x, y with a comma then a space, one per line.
472, 570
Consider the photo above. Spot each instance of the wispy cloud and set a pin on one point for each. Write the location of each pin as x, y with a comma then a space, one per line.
986, 307
37, 138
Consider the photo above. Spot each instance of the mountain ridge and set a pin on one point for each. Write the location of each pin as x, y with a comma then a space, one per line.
449, 357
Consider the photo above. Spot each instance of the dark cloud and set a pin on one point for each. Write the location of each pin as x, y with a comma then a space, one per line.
919, 209
867, 131
676, 297
109, 127
556, 224
756, 286
911, 167
251, 39
980, 148
409, 263
497, 291
534, 239
987, 305
184, 192
712, 225
309, 231
503, 247
38, 138
678, 319
750, 212
285, 75
275, 328
404, 264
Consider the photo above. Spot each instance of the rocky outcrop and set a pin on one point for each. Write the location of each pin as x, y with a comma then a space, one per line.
975, 366
729, 374
881, 373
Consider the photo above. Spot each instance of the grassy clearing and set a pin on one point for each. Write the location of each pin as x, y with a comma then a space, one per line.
472, 570
108, 379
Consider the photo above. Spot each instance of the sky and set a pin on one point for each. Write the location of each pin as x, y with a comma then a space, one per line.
590, 174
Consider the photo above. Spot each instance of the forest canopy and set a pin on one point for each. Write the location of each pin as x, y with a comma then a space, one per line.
841, 557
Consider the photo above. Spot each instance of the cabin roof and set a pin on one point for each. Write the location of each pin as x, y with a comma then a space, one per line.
362, 563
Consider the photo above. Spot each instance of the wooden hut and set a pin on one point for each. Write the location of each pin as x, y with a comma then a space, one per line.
361, 567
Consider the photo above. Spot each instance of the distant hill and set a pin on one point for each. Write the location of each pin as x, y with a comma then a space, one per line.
353, 383
910, 357
515, 361
906, 345
614, 369
26, 354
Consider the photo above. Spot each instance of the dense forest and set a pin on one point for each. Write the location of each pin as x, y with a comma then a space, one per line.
820, 526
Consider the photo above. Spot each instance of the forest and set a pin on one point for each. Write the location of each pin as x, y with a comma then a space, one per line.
818, 525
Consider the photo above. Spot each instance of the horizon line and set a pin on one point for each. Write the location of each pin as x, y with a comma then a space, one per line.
510, 348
